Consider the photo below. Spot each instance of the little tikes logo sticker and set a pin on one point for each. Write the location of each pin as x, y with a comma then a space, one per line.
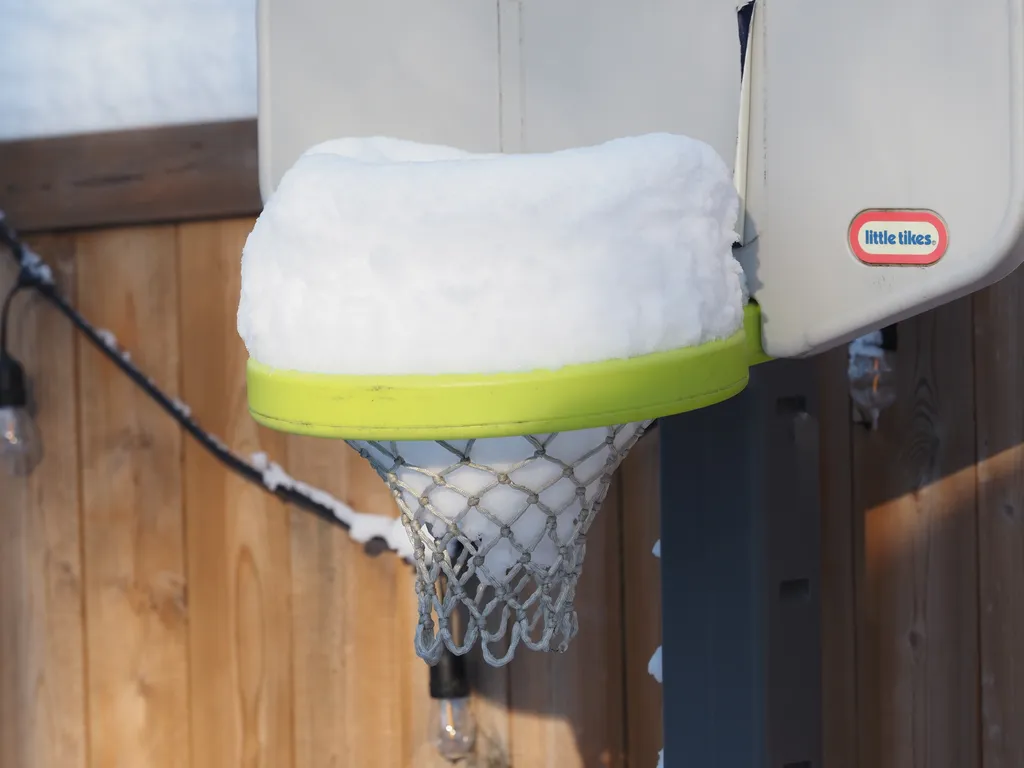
898, 237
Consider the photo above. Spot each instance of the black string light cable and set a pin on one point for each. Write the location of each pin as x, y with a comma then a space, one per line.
454, 725
35, 274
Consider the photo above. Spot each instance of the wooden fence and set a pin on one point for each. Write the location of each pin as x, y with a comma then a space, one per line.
924, 549
156, 611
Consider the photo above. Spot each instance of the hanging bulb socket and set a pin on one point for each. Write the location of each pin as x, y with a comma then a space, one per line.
21, 447
452, 710
13, 386
451, 707
448, 678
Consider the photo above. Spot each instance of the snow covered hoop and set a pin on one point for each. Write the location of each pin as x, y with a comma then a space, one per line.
499, 525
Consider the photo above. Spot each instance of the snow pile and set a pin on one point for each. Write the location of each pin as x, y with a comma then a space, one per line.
31, 262
362, 527
654, 665
381, 256
868, 345
110, 342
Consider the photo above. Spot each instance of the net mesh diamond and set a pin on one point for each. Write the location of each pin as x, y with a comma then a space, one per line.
498, 527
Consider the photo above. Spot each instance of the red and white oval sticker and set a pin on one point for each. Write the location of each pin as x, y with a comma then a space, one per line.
898, 238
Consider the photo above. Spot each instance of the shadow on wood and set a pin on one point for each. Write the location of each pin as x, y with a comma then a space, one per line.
937, 499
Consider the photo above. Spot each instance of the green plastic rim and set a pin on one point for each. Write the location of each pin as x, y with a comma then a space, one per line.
456, 407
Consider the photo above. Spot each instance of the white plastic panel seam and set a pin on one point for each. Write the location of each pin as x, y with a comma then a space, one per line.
510, 82
743, 137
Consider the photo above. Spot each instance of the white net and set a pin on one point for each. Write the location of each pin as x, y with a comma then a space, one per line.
499, 526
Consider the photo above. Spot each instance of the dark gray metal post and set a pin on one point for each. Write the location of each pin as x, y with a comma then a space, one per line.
740, 577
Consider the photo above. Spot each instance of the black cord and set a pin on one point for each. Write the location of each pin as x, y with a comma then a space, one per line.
5, 313
31, 275
450, 677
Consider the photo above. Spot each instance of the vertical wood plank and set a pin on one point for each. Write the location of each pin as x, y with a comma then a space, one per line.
131, 499
491, 691
999, 383
321, 624
351, 653
641, 528
915, 486
42, 697
237, 535
411, 697
838, 549
568, 709
353, 618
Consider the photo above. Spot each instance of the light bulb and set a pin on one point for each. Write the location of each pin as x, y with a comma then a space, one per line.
455, 725
21, 448
871, 375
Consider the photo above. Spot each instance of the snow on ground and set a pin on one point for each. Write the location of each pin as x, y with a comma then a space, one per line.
74, 66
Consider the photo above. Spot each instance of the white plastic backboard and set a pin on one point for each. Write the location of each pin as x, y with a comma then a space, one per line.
909, 110
884, 106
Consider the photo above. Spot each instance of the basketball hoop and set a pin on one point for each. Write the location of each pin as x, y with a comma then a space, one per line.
498, 477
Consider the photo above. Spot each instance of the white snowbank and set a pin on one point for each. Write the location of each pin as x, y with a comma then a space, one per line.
384, 256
